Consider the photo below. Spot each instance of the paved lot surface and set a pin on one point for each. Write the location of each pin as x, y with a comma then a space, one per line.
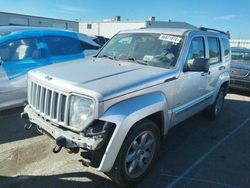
196, 153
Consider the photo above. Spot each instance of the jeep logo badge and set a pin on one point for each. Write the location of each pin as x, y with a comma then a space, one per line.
48, 77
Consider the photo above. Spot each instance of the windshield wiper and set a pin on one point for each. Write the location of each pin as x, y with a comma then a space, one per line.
107, 56
142, 62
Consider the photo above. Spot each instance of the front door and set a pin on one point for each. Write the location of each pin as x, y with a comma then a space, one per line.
190, 86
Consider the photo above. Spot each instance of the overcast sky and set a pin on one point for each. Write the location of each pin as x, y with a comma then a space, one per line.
225, 15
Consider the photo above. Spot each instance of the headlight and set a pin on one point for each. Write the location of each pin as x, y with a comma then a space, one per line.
81, 112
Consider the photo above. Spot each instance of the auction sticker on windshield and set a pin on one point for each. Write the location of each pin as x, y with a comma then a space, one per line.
170, 38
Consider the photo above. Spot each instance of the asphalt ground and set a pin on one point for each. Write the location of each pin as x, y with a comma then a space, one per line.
196, 153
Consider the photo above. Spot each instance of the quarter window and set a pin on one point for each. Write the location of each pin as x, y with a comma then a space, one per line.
59, 46
226, 47
196, 50
214, 50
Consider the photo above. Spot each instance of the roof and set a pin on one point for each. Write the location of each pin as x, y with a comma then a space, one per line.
177, 30
173, 31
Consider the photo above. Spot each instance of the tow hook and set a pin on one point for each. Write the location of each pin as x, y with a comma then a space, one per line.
60, 142
28, 126
25, 116
57, 149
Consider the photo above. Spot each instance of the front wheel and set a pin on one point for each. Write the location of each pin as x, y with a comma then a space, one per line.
137, 154
214, 111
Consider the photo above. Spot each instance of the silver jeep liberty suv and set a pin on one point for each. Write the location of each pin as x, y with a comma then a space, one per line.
116, 107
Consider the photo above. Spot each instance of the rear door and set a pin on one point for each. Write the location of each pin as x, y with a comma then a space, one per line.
216, 63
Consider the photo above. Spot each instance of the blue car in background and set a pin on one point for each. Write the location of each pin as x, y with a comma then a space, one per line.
26, 48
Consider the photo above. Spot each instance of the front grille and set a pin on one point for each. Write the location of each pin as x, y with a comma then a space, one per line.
49, 103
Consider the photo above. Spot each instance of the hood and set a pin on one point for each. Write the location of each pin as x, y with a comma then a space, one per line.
108, 78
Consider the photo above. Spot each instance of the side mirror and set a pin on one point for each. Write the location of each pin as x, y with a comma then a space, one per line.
198, 65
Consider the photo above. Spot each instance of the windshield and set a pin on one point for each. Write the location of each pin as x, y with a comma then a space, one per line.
160, 50
241, 55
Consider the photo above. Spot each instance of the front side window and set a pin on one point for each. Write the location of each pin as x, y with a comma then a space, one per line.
160, 50
20, 50
214, 50
196, 49
60, 45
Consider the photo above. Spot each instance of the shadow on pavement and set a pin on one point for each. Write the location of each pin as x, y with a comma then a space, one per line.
239, 92
189, 140
11, 126
61, 180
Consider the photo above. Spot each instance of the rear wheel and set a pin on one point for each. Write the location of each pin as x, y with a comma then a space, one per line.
137, 154
214, 111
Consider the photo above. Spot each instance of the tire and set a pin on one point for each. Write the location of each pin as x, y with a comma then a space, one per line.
213, 111
137, 154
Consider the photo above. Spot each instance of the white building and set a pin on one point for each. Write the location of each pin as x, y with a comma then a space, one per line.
109, 28
27, 20
240, 43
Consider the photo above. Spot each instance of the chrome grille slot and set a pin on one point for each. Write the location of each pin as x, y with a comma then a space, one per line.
63, 108
54, 112
42, 97
38, 93
48, 103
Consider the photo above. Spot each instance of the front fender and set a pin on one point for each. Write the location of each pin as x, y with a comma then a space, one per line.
125, 114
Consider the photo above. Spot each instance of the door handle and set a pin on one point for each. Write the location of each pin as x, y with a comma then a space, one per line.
205, 73
222, 67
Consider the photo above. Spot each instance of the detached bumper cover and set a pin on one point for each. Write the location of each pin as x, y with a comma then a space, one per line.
73, 140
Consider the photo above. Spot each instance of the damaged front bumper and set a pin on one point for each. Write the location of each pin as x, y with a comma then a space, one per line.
93, 141
72, 139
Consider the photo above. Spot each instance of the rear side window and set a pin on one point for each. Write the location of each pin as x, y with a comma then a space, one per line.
59, 45
196, 49
214, 50
226, 47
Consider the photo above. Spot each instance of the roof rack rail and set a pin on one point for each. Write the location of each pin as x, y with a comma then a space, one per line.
210, 29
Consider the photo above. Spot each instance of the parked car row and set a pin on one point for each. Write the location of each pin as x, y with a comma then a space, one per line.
240, 69
26, 48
